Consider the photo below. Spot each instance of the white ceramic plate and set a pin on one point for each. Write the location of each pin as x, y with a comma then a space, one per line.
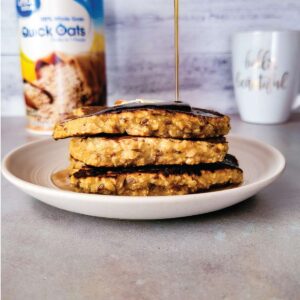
30, 167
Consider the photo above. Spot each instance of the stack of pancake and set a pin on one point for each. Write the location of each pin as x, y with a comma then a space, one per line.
142, 149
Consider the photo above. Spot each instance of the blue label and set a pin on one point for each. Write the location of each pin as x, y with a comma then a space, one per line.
25, 8
94, 8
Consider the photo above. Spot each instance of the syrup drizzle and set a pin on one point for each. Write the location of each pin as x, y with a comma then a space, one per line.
176, 46
131, 106
61, 180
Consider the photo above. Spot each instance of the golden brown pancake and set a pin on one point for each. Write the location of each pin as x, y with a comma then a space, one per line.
164, 119
155, 180
139, 151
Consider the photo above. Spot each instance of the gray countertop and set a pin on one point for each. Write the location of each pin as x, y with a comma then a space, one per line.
248, 251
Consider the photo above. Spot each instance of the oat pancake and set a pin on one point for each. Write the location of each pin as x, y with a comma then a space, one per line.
139, 151
155, 180
163, 119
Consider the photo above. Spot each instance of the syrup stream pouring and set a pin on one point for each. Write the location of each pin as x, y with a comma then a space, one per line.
176, 44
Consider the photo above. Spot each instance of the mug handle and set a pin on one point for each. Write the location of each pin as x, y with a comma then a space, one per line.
296, 103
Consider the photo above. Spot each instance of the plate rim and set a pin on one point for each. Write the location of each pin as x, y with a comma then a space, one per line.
23, 184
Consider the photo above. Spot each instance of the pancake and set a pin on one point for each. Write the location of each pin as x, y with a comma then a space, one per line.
139, 151
155, 180
161, 119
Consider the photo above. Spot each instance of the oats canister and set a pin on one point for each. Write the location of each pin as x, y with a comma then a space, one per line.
62, 52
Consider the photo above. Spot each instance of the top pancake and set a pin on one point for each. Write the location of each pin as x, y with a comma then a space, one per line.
161, 119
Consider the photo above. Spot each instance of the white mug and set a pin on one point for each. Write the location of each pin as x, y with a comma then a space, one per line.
266, 74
